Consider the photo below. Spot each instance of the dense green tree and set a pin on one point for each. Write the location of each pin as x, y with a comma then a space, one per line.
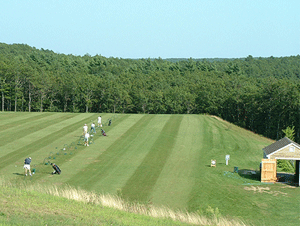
260, 94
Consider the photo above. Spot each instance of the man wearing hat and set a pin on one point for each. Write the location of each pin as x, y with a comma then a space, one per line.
27, 166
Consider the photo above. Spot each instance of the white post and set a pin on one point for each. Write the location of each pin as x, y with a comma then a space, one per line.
227, 157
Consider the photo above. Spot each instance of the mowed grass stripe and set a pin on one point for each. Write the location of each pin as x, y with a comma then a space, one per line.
88, 155
177, 179
211, 187
134, 154
232, 140
117, 119
79, 154
203, 178
32, 147
14, 120
110, 158
6, 117
34, 137
32, 125
140, 185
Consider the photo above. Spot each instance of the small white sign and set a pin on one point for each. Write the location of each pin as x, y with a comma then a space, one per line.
213, 163
227, 157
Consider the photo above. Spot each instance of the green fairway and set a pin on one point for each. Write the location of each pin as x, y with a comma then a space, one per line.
158, 159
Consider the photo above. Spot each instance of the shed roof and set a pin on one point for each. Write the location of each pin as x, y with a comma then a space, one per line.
278, 145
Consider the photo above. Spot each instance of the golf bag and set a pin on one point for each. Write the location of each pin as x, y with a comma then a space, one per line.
109, 122
56, 169
103, 132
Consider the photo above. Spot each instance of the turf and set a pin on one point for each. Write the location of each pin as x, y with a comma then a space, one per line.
33, 208
140, 185
157, 159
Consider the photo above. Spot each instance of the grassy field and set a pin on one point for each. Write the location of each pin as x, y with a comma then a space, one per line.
162, 160
23, 206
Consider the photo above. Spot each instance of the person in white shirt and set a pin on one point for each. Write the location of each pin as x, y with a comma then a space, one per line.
86, 139
99, 121
85, 129
93, 128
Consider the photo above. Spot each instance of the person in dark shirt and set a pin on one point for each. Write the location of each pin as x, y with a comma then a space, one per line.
93, 129
27, 162
56, 169
103, 132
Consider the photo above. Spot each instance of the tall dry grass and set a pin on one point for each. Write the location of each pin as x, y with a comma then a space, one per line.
116, 202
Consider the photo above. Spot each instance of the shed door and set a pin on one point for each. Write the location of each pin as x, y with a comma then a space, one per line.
268, 170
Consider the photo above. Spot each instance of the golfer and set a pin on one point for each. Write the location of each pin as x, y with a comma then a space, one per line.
93, 128
99, 121
103, 132
86, 139
56, 169
85, 129
27, 166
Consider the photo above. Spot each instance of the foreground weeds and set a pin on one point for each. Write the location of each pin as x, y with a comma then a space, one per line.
118, 203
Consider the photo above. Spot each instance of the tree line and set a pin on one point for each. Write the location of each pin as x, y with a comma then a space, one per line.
259, 94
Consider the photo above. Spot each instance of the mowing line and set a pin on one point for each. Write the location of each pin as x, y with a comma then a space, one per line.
209, 187
177, 177
141, 183
201, 175
34, 137
31, 126
87, 155
77, 153
110, 158
38, 144
116, 122
134, 154
16, 119
7, 117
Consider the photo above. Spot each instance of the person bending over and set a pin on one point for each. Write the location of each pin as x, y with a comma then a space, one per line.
27, 166
56, 169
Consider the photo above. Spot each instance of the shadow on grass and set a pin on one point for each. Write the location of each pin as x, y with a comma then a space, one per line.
286, 178
19, 174
282, 177
249, 174
217, 165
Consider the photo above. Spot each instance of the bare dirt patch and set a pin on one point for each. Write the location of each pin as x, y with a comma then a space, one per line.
267, 190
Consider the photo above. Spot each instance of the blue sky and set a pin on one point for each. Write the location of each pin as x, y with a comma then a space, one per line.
157, 28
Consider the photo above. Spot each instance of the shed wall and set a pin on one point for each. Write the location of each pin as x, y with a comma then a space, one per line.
285, 153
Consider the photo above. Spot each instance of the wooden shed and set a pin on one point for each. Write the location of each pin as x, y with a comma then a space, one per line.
286, 149
268, 172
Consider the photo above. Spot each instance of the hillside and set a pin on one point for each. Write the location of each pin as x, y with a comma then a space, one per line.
161, 160
33, 208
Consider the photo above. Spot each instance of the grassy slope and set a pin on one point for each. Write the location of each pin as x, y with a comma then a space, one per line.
160, 159
34, 208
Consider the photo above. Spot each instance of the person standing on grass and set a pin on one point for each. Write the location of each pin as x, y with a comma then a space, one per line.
93, 127
99, 121
27, 166
85, 129
86, 139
